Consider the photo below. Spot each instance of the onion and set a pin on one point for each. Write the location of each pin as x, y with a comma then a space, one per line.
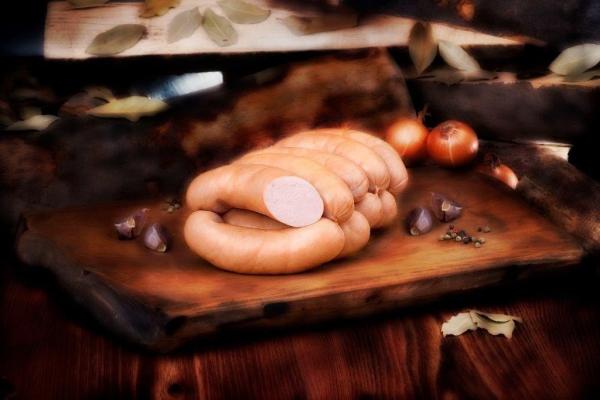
493, 167
452, 144
408, 137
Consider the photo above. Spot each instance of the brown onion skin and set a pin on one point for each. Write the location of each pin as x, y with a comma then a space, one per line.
452, 144
501, 172
408, 136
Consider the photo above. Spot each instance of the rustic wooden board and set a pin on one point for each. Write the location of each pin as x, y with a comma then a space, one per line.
68, 32
544, 103
163, 300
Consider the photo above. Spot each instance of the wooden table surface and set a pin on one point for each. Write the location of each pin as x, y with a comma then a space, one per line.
50, 350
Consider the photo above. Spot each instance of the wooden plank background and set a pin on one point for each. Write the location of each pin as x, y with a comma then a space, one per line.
68, 32
50, 350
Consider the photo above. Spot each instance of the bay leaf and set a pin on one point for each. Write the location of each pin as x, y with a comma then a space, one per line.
422, 46
456, 57
131, 108
79, 104
495, 318
100, 92
183, 25
34, 123
584, 76
576, 59
219, 29
495, 324
241, 12
155, 8
458, 324
116, 40
305, 25
86, 3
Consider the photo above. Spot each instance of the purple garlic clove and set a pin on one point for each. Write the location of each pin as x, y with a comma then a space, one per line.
445, 209
419, 221
156, 238
132, 225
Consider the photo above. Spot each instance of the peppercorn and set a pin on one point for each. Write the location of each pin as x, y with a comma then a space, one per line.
447, 236
466, 239
477, 244
458, 239
453, 235
487, 229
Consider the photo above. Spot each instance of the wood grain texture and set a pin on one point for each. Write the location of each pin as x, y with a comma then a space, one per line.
163, 300
51, 350
489, 106
561, 191
68, 32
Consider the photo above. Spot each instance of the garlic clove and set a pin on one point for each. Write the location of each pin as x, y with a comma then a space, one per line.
156, 238
445, 209
132, 225
419, 221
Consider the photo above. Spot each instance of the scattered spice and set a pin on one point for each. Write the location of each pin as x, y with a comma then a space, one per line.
462, 236
171, 205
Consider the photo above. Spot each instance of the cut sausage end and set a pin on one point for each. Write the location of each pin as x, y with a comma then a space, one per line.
293, 201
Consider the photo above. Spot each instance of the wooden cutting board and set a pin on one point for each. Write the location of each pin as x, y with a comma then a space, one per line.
162, 301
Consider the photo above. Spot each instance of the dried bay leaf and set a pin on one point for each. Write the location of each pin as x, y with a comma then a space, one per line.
219, 29
116, 40
86, 3
495, 324
155, 8
242, 12
458, 324
584, 76
184, 25
422, 46
34, 123
456, 57
79, 104
303, 25
100, 92
576, 59
131, 108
